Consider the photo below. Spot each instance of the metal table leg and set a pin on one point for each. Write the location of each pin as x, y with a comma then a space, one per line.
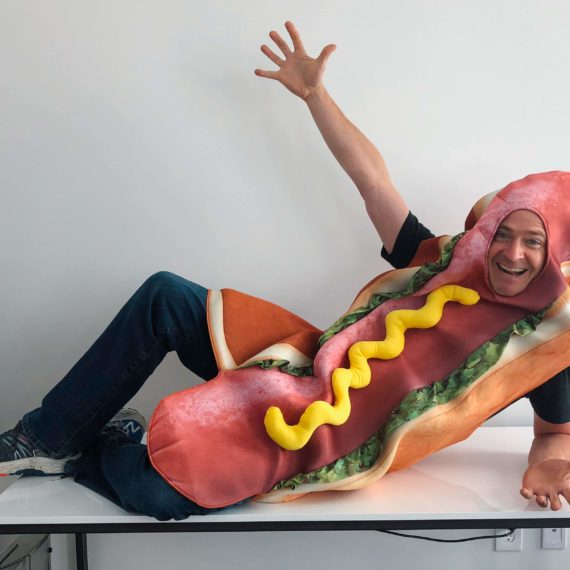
81, 550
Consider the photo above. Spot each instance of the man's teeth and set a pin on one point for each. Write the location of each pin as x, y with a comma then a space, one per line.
511, 270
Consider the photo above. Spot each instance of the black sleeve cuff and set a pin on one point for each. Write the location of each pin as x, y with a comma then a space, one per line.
411, 234
551, 400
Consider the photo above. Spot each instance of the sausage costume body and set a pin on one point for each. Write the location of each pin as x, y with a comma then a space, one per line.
210, 442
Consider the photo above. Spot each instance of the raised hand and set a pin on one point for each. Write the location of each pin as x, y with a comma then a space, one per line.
546, 481
299, 72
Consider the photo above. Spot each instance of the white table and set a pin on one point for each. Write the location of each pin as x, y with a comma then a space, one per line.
474, 484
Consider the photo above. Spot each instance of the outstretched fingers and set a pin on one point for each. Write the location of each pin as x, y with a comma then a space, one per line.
281, 43
295, 37
278, 61
272, 55
267, 74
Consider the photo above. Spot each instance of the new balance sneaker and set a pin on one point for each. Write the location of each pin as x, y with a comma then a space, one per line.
128, 420
19, 457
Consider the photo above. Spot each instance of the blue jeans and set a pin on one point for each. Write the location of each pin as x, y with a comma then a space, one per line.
166, 313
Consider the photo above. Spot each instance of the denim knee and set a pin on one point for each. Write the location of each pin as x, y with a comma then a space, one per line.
161, 279
166, 281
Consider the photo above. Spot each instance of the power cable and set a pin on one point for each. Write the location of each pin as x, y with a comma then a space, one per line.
510, 533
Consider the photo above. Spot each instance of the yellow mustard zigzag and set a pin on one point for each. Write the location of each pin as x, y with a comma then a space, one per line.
358, 375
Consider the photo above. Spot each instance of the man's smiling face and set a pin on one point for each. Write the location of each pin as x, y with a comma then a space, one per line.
517, 253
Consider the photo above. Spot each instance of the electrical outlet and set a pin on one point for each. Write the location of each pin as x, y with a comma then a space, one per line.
554, 538
512, 543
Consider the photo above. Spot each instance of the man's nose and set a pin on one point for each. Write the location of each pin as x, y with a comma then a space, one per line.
515, 250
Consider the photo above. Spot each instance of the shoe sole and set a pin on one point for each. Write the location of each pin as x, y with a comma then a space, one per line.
35, 466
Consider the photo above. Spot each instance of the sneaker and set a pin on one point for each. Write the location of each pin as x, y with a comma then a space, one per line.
129, 421
19, 457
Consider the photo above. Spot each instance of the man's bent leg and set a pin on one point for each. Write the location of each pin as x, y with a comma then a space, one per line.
119, 469
166, 313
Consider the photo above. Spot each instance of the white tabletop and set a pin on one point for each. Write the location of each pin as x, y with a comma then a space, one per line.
477, 480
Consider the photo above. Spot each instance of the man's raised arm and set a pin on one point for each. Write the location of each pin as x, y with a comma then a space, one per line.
361, 160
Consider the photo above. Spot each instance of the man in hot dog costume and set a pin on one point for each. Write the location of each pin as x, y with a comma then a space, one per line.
423, 356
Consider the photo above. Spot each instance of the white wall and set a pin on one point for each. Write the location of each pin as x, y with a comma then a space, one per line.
134, 137
317, 551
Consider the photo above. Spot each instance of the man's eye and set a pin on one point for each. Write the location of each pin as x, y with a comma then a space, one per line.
501, 235
535, 243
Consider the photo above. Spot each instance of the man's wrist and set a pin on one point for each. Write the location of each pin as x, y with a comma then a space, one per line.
316, 96
549, 446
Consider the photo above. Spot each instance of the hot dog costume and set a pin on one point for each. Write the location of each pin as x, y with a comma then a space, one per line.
421, 358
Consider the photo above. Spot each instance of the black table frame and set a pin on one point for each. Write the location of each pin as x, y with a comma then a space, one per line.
81, 530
